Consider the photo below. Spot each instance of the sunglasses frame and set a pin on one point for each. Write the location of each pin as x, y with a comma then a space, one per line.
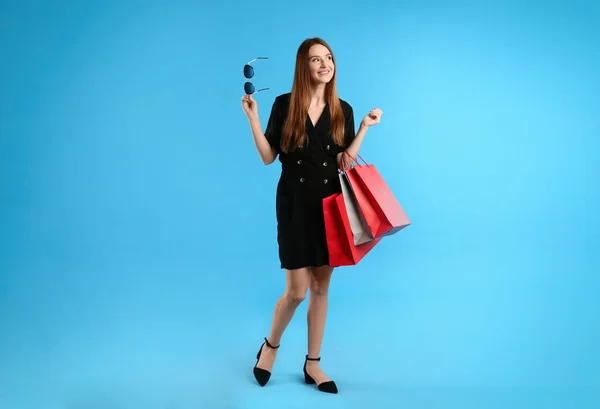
248, 86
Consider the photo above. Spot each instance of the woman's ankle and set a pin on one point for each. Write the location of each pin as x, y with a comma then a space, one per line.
272, 343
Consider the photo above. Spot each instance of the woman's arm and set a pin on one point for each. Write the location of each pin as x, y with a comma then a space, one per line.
372, 118
353, 149
265, 151
263, 147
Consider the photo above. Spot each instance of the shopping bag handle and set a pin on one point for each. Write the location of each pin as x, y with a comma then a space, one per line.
353, 160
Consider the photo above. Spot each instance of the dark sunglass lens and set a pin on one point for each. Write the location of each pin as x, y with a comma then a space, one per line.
248, 71
249, 88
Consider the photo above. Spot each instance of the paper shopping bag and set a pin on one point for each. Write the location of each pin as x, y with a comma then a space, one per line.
340, 242
382, 212
358, 225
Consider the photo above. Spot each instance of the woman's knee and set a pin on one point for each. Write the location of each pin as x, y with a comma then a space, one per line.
319, 283
296, 295
298, 282
319, 287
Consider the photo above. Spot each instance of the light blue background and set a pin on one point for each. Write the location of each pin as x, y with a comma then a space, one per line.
138, 258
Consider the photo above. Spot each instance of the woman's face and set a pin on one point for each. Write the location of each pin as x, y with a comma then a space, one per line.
320, 63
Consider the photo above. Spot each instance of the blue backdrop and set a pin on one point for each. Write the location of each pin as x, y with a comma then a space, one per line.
138, 258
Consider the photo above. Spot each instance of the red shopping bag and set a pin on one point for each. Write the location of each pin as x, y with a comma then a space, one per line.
340, 240
378, 206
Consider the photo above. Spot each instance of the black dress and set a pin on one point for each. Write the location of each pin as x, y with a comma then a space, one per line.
307, 176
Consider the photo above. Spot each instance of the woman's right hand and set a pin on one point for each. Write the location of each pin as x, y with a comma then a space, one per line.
250, 106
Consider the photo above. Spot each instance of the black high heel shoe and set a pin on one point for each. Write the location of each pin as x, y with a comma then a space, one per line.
262, 376
329, 386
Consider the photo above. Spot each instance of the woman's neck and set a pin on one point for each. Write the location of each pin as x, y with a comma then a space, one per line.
317, 95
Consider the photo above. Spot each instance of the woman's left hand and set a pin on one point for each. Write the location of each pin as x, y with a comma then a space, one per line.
373, 117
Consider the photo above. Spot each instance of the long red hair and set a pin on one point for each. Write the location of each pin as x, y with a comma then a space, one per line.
294, 130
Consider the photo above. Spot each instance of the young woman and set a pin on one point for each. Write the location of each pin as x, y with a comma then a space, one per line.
309, 129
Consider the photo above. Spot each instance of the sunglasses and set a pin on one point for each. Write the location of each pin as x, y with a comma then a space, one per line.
249, 73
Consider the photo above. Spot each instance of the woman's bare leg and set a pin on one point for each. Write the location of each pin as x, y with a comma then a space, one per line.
316, 317
297, 283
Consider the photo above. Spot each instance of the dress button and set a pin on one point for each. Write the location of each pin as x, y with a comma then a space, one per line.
325, 181
301, 180
300, 162
327, 147
324, 163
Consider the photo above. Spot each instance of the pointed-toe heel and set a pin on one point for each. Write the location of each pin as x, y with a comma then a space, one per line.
262, 375
328, 387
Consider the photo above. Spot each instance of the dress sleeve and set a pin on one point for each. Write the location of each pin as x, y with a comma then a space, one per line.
349, 130
274, 127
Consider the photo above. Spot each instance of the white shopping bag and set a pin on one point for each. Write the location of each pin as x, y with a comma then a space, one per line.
360, 229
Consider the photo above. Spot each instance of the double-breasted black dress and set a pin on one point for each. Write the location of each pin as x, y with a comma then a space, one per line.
307, 176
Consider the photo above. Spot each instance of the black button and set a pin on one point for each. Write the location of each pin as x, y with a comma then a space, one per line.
325, 181
301, 180
324, 163
300, 162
